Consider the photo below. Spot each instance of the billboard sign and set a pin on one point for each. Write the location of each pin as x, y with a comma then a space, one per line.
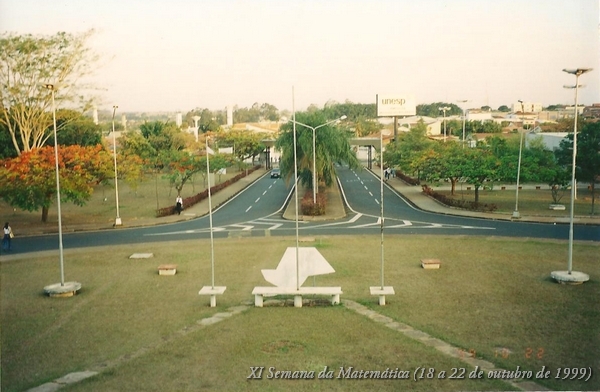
390, 105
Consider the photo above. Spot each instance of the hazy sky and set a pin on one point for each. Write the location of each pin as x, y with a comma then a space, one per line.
182, 54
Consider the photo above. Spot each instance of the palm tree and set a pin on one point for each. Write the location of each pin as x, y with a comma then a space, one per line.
332, 146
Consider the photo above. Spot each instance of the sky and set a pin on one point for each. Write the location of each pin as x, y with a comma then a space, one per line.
178, 55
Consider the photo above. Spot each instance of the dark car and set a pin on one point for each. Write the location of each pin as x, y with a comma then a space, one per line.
276, 173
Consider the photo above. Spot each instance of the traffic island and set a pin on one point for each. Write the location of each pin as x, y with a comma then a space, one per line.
566, 277
62, 290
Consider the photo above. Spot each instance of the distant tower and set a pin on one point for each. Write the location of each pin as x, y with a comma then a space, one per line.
124, 121
95, 116
178, 119
196, 119
229, 116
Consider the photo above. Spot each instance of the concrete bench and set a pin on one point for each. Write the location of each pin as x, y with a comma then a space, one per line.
430, 263
259, 292
167, 269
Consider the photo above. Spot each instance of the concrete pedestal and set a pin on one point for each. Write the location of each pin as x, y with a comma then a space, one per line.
574, 277
213, 292
382, 292
68, 289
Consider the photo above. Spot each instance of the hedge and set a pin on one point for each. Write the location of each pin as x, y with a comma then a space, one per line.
468, 205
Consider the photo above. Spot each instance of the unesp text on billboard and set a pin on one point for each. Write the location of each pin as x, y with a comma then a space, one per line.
390, 105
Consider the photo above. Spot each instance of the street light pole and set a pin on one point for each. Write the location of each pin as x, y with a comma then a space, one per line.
516, 214
444, 110
314, 154
51, 87
577, 72
118, 219
464, 120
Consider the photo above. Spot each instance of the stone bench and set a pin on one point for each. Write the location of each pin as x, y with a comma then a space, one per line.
431, 263
167, 269
259, 292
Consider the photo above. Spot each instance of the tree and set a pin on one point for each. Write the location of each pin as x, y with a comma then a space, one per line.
409, 146
245, 144
29, 180
183, 166
77, 129
332, 146
26, 63
503, 108
444, 161
588, 155
478, 166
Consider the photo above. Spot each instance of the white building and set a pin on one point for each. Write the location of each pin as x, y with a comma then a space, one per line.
527, 107
479, 115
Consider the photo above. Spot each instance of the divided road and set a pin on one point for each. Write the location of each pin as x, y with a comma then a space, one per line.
259, 208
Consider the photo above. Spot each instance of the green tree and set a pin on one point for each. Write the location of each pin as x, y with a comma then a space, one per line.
588, 155
503, 108
26, 63
332, 146
76, 129
479, 166
245, 144
445, 161
409, 146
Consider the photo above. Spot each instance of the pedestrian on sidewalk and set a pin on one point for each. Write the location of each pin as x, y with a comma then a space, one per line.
7, 238
179, 205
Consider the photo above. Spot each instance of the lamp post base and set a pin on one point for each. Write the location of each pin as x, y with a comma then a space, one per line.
516, 215
57, 290
118, 222
564, 277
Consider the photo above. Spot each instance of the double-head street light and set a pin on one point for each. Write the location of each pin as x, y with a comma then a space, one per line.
314, 153
444, 110
118, 219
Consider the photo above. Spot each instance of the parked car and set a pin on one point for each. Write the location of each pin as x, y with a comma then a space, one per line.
275, 173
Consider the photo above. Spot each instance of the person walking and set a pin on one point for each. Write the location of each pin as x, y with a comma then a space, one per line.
179, 205
7, 239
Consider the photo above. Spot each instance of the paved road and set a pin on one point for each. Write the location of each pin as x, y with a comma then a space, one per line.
257, 211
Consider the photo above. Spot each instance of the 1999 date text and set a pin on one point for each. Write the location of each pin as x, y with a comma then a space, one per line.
420, 373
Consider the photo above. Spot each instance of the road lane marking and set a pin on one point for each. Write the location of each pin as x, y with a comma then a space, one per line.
264, 192
256, 201
248, 209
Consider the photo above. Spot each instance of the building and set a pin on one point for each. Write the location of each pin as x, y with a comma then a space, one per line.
527, 107
592, 111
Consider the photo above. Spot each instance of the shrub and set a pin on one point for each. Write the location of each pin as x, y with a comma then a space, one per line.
307, 207
407, 179
190, 201
468, 205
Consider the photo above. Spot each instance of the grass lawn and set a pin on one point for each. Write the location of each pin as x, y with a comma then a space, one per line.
137, 202
531, 201
492, 296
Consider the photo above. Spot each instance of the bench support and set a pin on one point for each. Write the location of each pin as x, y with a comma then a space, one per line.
382, 292
213, 292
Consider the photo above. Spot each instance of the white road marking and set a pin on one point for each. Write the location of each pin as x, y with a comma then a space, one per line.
256, 201
248, 209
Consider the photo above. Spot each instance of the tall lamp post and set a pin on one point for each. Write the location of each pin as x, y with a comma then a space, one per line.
118, 218
314, 153
444, 110
62, 289
211, 290
464, 101
571, 276
516, 214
